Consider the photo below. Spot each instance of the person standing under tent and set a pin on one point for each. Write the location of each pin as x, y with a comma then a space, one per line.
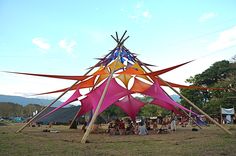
173, 122
142, 130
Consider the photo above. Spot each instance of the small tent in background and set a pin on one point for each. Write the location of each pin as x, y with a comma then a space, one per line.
227, 115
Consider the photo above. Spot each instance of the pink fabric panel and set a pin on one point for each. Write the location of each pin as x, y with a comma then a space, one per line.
114, 93
130, 106
71, 99
165, 105
156, 92
85, 107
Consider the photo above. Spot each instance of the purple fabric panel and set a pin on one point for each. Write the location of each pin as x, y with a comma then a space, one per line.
71, 99
130, 106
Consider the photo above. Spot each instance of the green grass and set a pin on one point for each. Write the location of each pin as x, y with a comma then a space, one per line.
32, 141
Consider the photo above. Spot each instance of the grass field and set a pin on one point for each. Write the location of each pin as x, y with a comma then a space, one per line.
209, 141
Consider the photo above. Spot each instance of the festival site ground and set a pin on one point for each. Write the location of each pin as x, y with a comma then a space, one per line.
209, 141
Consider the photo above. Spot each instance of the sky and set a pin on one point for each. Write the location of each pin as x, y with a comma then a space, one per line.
63, 37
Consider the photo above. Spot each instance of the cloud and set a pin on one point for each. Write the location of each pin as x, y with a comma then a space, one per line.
141, 16
41, 43
226, 39
207, 16
140, 13
67, 45
138, 5
146, 14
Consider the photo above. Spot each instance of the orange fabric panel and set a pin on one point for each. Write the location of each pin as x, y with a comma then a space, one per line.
101, 72
137, 66
124, 78
144, 77
131, 71
87, 83
139, 86
84, 84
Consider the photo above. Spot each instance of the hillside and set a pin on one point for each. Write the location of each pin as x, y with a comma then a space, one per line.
63, 115
25, 101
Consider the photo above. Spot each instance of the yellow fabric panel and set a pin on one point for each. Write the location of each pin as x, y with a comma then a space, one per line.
124, 78
137, 66
101, 77
117, 65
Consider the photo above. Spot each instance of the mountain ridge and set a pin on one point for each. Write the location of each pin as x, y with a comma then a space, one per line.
44, 102
25, 101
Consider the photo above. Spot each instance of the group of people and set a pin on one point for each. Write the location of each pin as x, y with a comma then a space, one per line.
118, 127
128, 127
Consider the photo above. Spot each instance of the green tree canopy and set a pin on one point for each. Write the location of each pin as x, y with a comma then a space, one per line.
220, 75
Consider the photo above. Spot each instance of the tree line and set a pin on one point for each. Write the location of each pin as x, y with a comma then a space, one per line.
8, 109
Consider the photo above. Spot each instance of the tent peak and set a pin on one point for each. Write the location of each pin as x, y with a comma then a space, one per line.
120, 41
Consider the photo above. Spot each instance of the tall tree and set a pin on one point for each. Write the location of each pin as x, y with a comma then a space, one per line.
220, 75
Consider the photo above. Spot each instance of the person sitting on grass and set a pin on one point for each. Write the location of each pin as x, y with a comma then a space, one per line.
164, 125
130, 129
84, 127
121, 127
136, 127
111, 128
155, 128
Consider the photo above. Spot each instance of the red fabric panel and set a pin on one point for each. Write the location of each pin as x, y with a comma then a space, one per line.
55, 76
159, 72
187, 87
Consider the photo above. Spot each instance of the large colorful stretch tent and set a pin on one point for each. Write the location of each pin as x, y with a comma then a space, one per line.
115, 79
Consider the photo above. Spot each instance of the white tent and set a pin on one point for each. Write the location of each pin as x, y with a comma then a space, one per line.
226, 115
